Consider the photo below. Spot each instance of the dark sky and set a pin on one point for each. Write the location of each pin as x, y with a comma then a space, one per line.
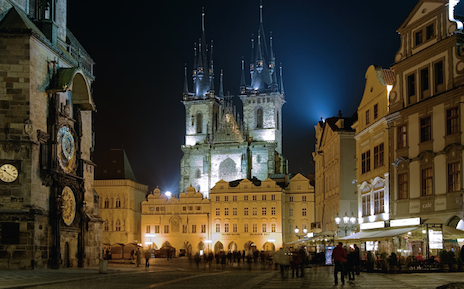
140, 48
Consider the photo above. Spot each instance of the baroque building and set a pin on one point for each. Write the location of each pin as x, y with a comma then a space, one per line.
427, 138
373, 147
239, 215
334, 158
48, 207
219, 143
121, 197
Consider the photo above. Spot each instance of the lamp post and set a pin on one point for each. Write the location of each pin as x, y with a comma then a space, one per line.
349, 223
297, 231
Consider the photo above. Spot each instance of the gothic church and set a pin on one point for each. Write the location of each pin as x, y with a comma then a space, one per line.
219, 143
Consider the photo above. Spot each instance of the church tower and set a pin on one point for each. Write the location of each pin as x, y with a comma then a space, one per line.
219, 144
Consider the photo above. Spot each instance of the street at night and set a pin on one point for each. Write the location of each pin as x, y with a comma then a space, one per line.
180, 274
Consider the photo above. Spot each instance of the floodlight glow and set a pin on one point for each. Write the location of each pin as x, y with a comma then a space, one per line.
271, 240
168, 194
150, 235
148, 243
451, 5
208, 241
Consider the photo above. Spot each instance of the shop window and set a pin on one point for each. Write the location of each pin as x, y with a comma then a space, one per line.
366, 205
426, 129
454, 177
427, 182
452, 121
403, 186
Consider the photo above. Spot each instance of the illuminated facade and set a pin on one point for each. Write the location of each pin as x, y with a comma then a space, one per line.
335, 171
221, 145
120, 199
427, 138
240, 215
372, 147
48, 208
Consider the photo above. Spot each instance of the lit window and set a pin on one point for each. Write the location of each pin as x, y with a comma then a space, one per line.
402, 137
273, 228
427, 182
264, 228
366, 205
454, 177
147, 230
255, 211
379, 202
184, 229
452, 121
157, 229
378, 156
402, 186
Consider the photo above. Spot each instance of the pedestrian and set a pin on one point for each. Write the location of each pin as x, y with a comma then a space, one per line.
243, 256
132, 255
303, 260
282, 259
357, 260
147, 258
351, 259
339, 258
138, 257
295, 263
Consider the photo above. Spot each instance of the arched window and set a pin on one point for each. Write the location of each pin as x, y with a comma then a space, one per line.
259, 118
118, 203
197, 174
118, 225
106, 226
107, 203
199, 123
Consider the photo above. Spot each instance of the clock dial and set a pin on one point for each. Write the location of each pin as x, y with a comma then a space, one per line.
68, 206
66, 149
8, 173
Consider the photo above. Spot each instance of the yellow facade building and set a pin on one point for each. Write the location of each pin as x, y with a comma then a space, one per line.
372, 147
121, 197
334, 158
240, 215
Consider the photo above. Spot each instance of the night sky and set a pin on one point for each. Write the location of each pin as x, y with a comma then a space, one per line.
140, 49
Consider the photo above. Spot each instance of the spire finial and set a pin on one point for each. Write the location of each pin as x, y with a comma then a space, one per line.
242, 78
281, 80
221, 86
203, 19
185, 81
261, 11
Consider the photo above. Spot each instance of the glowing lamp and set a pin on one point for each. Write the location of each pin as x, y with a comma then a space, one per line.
305, 231
297, 230
352, 219
337, 219
168, 194
346, 219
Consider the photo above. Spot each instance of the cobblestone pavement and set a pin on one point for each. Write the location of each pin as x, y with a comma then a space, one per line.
175, 275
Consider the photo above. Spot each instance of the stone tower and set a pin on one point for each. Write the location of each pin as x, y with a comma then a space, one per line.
48, 209
219, 143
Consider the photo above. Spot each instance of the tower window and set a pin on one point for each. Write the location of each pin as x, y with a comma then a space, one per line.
259, 118
199, 123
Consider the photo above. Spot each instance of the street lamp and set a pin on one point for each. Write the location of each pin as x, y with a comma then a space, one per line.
297, 231
349, 223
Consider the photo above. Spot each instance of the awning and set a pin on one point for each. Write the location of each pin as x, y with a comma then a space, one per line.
298, 241
371, 234
452, 233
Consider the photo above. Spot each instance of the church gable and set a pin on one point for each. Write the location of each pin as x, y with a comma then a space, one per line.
422, 9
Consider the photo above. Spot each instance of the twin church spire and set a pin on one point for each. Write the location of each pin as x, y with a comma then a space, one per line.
263, 74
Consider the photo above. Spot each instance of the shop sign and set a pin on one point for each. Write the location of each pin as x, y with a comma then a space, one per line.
427, 205
405, 222
440, 204
435, 239
414, 207
373, 225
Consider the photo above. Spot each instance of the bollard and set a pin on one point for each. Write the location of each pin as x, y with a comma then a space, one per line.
103, 266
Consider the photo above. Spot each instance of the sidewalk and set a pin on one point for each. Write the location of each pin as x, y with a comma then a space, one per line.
24, 278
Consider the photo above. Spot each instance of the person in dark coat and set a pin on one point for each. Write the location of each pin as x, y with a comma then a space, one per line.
351, 259
147, 258
303, 260
339, 258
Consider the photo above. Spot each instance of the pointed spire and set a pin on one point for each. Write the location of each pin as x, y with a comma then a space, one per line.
242, 79
261, 11
211, 70
281, 81
203, 19
272, 58
221, 86
185, 81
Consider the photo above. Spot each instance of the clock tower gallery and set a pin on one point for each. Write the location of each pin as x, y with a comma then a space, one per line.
48, 207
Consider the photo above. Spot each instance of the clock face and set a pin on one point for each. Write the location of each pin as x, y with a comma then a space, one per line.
8, 173
68, 206
66, 149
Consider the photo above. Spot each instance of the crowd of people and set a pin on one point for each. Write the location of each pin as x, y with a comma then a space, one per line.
346, 263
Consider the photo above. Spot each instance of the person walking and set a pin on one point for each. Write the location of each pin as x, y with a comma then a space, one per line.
303, 260
339, 258
138, 257
351, 264
357, 260
282, 259
295, 263
147, 258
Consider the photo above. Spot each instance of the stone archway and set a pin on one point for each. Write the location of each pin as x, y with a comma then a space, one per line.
188, 248
201, 246
269, 247
250, 246
218, 247
232, 246
166, 244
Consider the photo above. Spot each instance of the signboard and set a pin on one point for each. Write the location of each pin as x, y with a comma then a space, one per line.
328, 255
435, 239
373, 225
405, 222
